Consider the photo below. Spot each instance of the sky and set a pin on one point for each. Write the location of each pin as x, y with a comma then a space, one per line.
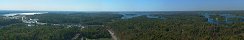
122, 5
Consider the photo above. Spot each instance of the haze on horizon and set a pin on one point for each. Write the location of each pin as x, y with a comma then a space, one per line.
122, 5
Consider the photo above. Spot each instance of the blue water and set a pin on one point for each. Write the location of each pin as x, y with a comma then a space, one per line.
129, 15
226, 18
1, 14
207, 16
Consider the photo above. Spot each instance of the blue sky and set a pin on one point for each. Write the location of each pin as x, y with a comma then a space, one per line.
122, 5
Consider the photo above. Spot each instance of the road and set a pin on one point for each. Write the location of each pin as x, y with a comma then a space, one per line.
76, 36
112, 34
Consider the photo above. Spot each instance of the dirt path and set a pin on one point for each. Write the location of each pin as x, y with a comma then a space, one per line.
112, 34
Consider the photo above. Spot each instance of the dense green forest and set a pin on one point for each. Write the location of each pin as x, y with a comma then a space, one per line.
45, 32
50, 32
5, 22
69, 26
77, 18
185, 26
95, 26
